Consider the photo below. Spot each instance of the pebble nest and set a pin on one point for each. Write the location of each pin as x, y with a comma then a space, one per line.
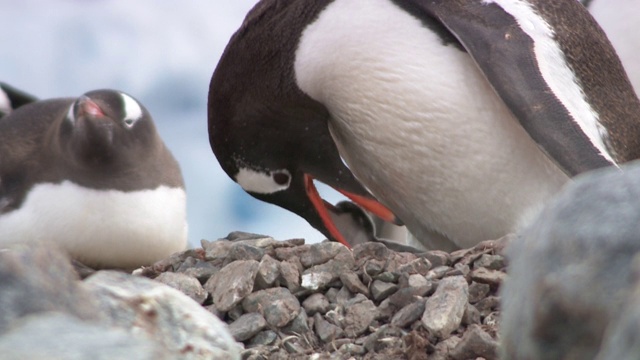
291, 300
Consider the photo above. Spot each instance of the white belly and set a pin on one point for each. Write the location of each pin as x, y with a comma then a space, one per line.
101, 228
420, 126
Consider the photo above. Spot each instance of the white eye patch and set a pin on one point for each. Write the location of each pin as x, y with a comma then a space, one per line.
263, 182
132, 110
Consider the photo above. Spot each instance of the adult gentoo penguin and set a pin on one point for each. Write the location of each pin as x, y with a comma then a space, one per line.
91, 175
461, 116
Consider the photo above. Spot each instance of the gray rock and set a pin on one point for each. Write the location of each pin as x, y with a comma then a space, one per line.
478, 291
437, 272
574, 263
353, 283
358, 317
325, 330
444, 309
268, 272
299, 325
277, 305
36, 279
491, 262
444, 348
471, 315
168, 316
244, 251
322, 252
61, 336
216, 250
380, 290
266, 337
437, 258
316, 303
408, 314
232, 283
290, 276
485, 276
373, 250
406, 296
417, 281
247, 326
475, 343
189, 285
320, 276
488, 305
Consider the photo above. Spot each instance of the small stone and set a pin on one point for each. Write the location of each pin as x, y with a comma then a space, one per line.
247, 326
417, 281
408, 314
397, 260
383, 338
437, 272
241, 236
491, 262
380, 290
492, 320
371, 250
331, 295
299, 325
320, 276
444, 347
278, 306
320, 253
352, 349
268, 272
189, 285
325, 330
475, 343
232, 283
353, 283
478, 291
235, 312
316, 303
387, 276
200, 269
488, 305
290, 276
373, 267
418, 266
286, 253
358, 318
406, 296
444, 309
437, 258
242, 251
471, 315
491, 277
343, 296
459, 269
266, 337
216, 250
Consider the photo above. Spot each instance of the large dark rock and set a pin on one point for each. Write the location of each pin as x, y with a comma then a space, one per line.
571, 271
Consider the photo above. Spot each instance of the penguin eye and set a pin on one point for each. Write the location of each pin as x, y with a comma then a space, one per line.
129, 122
263, 182
281, 178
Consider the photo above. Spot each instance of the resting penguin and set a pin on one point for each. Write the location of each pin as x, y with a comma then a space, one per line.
463, 117
12, 98
91, 175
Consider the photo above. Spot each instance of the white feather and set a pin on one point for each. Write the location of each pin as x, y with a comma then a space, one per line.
99, 227
420, 126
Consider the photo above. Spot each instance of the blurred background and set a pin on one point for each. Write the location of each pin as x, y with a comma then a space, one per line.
163, 52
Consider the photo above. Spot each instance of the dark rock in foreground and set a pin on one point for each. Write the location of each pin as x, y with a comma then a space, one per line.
570, 293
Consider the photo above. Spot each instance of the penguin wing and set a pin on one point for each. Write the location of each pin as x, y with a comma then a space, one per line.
12, 98
517, 50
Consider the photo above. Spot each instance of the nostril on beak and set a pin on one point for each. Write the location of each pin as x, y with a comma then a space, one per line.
86, 106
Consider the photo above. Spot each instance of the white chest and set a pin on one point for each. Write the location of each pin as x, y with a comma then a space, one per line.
101, 228
420, 126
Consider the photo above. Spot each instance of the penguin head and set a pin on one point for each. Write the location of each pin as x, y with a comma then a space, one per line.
102, 125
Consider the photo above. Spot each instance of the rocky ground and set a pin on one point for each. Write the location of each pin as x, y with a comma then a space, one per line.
288, 300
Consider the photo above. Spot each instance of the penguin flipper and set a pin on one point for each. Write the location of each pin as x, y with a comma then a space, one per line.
519, 54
